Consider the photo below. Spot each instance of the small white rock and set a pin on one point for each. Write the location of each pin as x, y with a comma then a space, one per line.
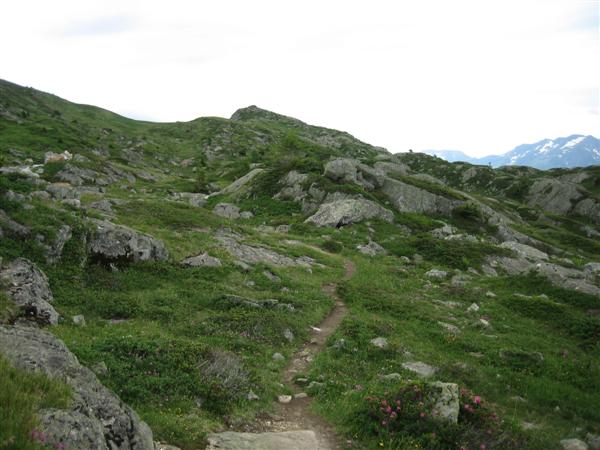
284, 399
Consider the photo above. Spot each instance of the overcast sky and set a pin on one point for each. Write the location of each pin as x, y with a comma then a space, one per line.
478, 76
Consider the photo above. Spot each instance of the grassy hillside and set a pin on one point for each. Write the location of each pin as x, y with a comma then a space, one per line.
169, 340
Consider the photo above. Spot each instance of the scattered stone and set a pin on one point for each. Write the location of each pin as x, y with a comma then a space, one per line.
288, 335
271, 276
203, 260
300, 395
79, 320
422, 369
371, 249
490, 294
453, 329
278, 357
392, 377
379, 342
51, 157
251, 396
460, 280
246, 215
284, 399
573, 444
436, 274
473, 308
301, 381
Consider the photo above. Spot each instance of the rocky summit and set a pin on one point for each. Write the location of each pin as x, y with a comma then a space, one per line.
261, 283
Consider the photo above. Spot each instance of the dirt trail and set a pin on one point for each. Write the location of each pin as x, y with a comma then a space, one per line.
297, 415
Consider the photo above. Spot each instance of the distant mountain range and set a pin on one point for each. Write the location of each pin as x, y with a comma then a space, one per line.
572, 151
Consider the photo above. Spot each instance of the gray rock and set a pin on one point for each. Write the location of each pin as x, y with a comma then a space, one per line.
288, 440
246, 215
79, 320
102, 205
271, 276
573, 444
34, 350
12, 227
284, 399
193, 198
251, 254
345, 212
28, 287
278, 357
50, 157
453, 329
422, 369
593, 440
445, 397
460, 280
77, 175
408, 198
392, 377
73, 202
553, 195
240, 183
288, 335
162, 446
227, 210
379, 342
54, 252
115, 243
473, 308
72, 429
436, 274
62, 191
371, 249
203, 260
525, 251
347, 170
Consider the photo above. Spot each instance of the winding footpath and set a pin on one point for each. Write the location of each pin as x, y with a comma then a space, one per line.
294, 426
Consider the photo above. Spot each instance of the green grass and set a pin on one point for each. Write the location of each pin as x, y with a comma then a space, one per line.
21, 396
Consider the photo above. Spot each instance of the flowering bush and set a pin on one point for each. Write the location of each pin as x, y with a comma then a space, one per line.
403, 419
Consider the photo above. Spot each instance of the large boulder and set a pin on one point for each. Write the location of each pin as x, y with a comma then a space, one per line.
112, 243
553, 195
28, 287
525, 251
408, 198
343, 212
253, 254
93, 407
445, 399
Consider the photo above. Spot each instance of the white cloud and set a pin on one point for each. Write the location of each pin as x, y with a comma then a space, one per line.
480, 76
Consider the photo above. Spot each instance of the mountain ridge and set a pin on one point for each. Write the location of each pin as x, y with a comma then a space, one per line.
571, 151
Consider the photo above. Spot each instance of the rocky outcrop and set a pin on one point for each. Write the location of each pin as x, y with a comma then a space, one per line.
345, 212
11, 227
408, 198
28, 287
253, 254
240, 183
371, 249
562, 197
348, 170
112, 243
96, 418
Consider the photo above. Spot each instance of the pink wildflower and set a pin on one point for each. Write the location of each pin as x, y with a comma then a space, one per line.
477, 400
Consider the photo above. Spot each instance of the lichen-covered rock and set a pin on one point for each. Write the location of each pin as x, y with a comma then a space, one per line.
445, 399
28, 287
253, 254
227, 210
203, 260
408, 198
525, 251
72, 429
371, 249
240, 183
34, 350
115, 243
345, 212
